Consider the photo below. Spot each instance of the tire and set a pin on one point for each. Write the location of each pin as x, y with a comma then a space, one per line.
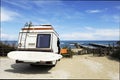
33, 65
54, 63
17, 61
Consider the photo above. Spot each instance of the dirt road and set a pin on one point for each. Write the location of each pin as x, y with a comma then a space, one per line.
78, 67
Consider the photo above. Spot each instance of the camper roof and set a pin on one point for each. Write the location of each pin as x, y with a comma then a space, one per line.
39, 28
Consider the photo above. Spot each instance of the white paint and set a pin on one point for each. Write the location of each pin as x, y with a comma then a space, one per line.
32, 56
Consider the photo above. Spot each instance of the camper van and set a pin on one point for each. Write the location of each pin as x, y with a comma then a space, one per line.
37, 44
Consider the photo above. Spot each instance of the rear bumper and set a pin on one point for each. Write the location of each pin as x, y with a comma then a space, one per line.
36, 63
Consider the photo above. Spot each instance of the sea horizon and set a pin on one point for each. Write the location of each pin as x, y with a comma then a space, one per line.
64, 43
71, 40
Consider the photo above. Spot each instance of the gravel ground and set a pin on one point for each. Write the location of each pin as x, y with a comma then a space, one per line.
78, 67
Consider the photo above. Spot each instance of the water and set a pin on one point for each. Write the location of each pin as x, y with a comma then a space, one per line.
71, 43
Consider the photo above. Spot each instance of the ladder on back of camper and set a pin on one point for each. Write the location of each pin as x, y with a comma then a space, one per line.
22, 39
23, 36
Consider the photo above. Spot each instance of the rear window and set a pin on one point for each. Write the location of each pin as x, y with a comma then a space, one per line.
43, 40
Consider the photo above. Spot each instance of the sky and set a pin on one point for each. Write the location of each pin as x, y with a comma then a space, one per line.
72, 19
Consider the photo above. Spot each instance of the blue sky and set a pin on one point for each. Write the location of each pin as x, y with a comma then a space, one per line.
73, 20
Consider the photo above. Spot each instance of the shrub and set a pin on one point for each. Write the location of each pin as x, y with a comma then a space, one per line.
116, 53
6, 48
69, 52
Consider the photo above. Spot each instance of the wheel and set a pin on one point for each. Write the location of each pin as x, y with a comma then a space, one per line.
17, 61
54, 63
32, 65
58, 59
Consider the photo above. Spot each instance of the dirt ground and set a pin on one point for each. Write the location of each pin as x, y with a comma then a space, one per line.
78, 67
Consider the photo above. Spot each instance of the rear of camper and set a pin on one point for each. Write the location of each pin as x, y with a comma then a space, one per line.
38, 38
37, 44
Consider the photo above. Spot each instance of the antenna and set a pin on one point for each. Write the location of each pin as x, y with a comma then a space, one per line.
30, 24
26, 24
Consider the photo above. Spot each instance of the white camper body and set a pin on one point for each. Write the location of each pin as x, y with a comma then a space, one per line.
37, 44
42, 38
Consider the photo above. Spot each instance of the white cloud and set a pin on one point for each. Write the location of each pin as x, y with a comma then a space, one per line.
20, 3
7, 15
43, 3
117, 7
92, 34
111, 18
93, 11
88, 28
116, 18
76, 36
107, 33
5, 36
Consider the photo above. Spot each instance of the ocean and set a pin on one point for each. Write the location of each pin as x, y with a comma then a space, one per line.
102, 42
70, 43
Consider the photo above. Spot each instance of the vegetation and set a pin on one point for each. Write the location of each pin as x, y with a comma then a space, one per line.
116, 53
69, 52
6, 48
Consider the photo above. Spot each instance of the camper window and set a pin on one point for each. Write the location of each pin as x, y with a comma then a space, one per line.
43, 40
